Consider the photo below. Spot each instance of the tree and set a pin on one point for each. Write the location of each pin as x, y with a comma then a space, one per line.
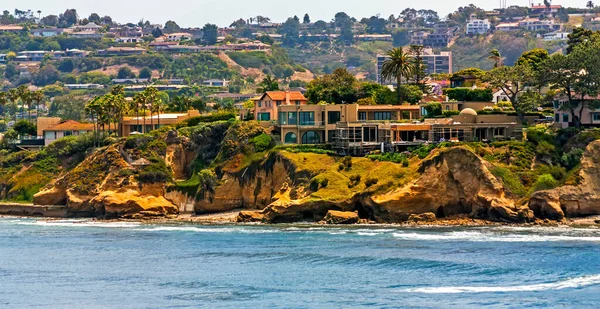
268, 84
512, 81
66, 65
533, 58
3, 101
433, 109
306, 19
590, 5
419, 66
401, 37
396, 67
171, 27
340, 87
375, 24
346, 34
25, 128
49, 21
94, 18
125, 72
578, 36
210, 34
411, 93
68, 18
47, 75
145, 73
26, 99
496, 57
291, 32
38, 96
157, 33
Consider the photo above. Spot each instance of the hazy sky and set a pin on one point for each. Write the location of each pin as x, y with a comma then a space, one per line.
222, 12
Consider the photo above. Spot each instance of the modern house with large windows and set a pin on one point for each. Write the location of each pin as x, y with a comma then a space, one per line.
589, 111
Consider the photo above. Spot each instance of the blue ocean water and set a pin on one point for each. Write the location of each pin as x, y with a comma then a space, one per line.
82, 264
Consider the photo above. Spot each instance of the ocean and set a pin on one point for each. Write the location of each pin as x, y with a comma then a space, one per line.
87, 264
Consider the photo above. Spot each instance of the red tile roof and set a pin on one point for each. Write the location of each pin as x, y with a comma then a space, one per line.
72, 125
285, 96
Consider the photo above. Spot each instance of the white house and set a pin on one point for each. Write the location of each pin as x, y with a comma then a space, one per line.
67, 128
556, 36
478, 26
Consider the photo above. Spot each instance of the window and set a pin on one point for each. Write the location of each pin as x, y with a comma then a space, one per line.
291, 138
264, 116
311, 137
362, 116
297, 102
565, 118
333, 117
498, 131
307, 118
596, 116
282, 118
68, 133
383, 115
556, 117
292, 118
259, 104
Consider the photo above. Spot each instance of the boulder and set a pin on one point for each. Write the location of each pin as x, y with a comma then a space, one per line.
426, 217
249, 216
51, 196
546, 204
341, 217
131, 204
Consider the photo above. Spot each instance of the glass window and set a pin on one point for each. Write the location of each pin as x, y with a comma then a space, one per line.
307, 118
333, 117
596, 116
68, 133
362, 116
264, 116
565, 118
291, 138
278, 103
383, 115
556, 117
282, 118
292, 118
297, 102
311, 137
259, 104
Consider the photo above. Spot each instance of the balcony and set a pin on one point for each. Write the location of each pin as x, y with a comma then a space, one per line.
304, 124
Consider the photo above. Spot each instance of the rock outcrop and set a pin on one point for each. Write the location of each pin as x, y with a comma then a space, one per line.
573, 201
341, 217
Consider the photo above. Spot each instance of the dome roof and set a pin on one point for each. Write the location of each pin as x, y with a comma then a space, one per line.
468, 111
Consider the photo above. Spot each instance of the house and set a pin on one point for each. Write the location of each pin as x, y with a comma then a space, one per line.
10, 28
265, 106
83, 86
458, 106
46, 32
31, 55
540, 8
67, 128
92, 27
500, 96
373, 37
216, 83
590, 113
130, 81
457, 81
534, 24
129, 40
556, 36
157, 46
138, 88
122, 51
176, 37
478, 26
3, 58
76, 53
145, 124
233, 96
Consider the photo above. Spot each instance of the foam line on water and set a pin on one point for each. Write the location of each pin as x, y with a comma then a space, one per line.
571, 283
492, 237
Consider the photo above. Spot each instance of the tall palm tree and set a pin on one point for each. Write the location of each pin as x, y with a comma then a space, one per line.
13, 96
93, 110
138, 100
398, 65
496, 57
268, 84
38, 96
590, 5
3, 102
151, 94
120, 106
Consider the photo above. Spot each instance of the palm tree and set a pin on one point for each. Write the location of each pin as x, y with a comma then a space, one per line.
94, 109
496, 57
37, 96
13, 96
398, 65
590, 5
139, 100
3, 102
151, 94
120, 106
268, 84
25, 96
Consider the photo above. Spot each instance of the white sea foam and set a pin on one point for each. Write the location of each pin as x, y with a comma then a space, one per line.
577, 282
476, 236
202, 229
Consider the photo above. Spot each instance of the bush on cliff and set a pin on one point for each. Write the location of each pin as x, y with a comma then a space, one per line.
156, 171
545, 182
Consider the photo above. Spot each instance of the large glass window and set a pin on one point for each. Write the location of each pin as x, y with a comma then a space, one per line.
291, 138
383, 115
264, 116
556, 117
282, 118
565, 118
307, 118
311, 137
596, 116
362, 116
292, 118
333, 117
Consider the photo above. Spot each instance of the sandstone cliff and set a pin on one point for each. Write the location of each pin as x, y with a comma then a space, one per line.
573, 201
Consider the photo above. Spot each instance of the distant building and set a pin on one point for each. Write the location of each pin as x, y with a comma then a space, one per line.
122, 51
83, 86
265, 106
556, 36
478, 26
176, 37
3, 58
542, 9
216, 83
67, 128
145, 124
10, 28
37, 55
129, 40
434, 64
46, 32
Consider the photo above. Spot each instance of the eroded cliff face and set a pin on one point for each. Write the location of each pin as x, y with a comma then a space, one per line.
573, 201
451, 182
99, 187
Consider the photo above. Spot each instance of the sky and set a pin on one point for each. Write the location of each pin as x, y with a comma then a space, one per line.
190, 13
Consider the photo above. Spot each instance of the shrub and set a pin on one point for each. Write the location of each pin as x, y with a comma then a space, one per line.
390, 157
434, 109
24, 127
70, 145
545, 182
156, 171
346, 163
469, 95
194, 121
544, 148
572, 158
510, 180
354, 180
317, 183
207, 182
262, 142
137, 141
450, 113
371, 181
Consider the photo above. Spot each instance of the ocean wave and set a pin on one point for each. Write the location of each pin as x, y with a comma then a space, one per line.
73, 223
202, 229
475, 236
577, 282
